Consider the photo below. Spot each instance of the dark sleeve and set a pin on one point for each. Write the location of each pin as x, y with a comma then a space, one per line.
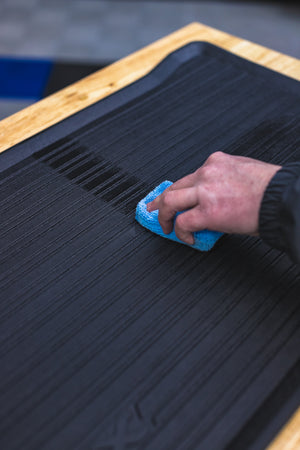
279, 218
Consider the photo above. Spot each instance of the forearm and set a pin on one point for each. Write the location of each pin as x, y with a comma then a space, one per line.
279, 219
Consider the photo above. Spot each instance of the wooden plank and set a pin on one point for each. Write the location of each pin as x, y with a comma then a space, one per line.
89, 90
289, 437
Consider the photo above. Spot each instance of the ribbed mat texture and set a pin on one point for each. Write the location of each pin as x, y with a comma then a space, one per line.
113, 338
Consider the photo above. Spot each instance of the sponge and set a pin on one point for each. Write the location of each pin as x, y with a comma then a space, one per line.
204, 240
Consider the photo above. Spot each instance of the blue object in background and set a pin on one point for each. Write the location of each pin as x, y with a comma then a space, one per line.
204, 240
23, 78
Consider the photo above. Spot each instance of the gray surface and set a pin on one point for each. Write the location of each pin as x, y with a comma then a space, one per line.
9, 107
95, 30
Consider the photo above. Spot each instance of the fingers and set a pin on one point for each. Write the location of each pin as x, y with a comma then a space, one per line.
188, 222
184, 182
173, 201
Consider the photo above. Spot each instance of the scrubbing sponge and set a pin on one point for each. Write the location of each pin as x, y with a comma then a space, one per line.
204, 240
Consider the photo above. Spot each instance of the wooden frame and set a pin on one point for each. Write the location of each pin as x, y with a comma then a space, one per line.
89, 90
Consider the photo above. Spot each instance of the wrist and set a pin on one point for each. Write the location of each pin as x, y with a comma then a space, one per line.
272, 214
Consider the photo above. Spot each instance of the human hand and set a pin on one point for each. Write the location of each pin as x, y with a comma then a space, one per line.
224, 195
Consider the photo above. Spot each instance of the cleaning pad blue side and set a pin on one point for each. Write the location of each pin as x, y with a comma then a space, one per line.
204, 240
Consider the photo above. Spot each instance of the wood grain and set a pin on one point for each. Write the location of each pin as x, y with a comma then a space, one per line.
289, 437
89, 90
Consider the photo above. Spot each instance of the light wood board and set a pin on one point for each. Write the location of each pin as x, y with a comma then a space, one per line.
56, 107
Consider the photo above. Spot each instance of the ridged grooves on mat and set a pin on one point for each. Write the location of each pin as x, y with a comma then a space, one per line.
105, 326
96, 175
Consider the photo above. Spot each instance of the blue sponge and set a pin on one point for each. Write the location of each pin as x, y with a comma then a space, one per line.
204, 240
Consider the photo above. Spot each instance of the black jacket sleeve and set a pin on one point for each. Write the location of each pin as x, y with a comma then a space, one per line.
279, 218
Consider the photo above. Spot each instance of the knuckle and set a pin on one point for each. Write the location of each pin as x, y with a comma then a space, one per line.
166, 198
208, 171
180, 222
216, 157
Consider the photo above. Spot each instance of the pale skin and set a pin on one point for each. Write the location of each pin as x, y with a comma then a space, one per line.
224, 194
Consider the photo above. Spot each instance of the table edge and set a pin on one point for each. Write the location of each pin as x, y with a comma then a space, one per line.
57, 107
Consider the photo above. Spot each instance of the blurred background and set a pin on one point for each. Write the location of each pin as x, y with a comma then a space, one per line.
48, 44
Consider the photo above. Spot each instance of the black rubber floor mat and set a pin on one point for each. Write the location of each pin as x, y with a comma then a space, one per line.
113, 338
